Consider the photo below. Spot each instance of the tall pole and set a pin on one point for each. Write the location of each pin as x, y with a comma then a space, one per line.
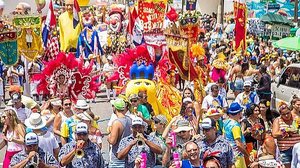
222, 11
296, 12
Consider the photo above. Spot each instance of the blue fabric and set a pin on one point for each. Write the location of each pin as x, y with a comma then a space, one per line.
88, 44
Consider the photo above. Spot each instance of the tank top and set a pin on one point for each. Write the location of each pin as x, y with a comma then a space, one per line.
126, 123
12, 146
287, 142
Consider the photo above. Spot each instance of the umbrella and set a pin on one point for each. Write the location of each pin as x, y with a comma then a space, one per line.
289, 43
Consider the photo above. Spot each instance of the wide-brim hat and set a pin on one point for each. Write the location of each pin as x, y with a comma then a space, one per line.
35, 121
183, 125
81, 104
234, 108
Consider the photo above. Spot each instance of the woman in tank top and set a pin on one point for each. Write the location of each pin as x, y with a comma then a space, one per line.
61, 117
285, 133
13, 135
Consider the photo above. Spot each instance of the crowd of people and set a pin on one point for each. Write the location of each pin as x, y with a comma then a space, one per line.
228, 124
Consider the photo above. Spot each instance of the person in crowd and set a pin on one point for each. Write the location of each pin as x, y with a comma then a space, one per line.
183, 135
108, 69
248, 97
192, 151
252, 117
233, 133
215, 142
47, 141
27, 101
13, 135
217, 116
187, 92
236, 77
160, 122
143, 99
81, 152
296, 156
267, 151
214, 100
68, 126
264, 86
94, 133
33, 155
132, 146
61, 117
22, 112
286, 134
138, 109
295, 108
267, 115
187, 112
120, 128
211, 162
49, 112
222, 89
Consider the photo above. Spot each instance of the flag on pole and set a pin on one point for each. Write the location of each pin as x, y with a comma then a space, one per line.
50, 22
132, 17
240, 14
76, 10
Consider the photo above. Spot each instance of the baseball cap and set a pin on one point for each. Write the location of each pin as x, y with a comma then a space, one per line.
31, 139
81, 128
187, 99
160, 118
137, 121
247, 83
119, 104
183, 125
208, 123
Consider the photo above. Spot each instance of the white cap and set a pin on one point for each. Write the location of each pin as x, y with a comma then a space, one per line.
81, 128
31, 139
137, 121
247, 83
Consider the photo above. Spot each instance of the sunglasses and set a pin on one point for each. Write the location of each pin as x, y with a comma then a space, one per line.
182, 132
67, 104
206, 130
133, 101
82, 134
137, 126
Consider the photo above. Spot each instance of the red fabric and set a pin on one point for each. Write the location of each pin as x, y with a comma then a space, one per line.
187, 74
240, 25
7, 158
172, 15
132, 17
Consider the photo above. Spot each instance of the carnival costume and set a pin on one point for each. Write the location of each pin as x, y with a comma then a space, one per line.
68, 36
220, 66
135, 72
67, 76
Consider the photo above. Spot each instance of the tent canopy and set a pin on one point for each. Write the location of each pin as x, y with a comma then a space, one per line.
275, 18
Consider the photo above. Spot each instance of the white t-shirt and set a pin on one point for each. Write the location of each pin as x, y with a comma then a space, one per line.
23, 114
213, 102
48, 142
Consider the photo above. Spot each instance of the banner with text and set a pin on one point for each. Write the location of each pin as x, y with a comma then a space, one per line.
152, 14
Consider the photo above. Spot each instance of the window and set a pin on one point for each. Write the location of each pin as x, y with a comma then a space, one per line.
291, 77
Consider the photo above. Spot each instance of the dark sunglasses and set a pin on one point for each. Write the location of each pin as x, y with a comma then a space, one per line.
206, 130
67, 104
133, 101
82, 134
182, 132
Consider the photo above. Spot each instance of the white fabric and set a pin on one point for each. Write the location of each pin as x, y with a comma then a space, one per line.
48, 142
296, 156
12, 146
208, 102
23, 114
